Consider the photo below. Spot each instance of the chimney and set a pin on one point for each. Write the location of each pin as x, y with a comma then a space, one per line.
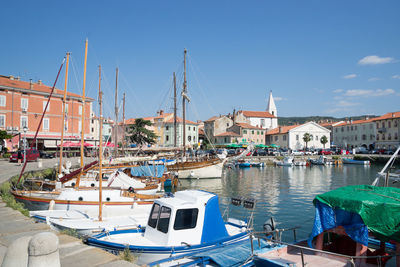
234, 116
30, 84
393, 115
11, 78
17, 78
161, 112
39, 82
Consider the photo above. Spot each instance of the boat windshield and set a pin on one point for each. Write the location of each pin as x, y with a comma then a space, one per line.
186, 219
163, 219
154, 215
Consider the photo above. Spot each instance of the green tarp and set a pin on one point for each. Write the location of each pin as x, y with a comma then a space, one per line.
379, 207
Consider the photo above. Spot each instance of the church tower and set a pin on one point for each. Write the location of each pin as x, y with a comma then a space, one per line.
271, 105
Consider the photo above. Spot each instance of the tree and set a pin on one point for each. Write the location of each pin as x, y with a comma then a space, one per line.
324, 140
139, 134
4, 135
307, 138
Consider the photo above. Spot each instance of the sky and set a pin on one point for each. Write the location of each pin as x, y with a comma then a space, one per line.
328, 58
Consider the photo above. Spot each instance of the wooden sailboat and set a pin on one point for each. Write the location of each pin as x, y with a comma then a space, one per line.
205, 168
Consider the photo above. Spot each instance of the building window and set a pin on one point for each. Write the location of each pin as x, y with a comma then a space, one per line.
389, 124
167, 138
284, 138
377, 125
258, 132
395, 136
355, 137
24, 104
225, 140
194, 138
383, 124
189, 138
395, 123
244, 131
297, 137
364, 137
3, 121
377, 137
92, 130
389, 136
166, 128
194, 128
336, 130
227, 125
351, 128
2, 100
80, 110
24, 122
262, 122
276, 138
189, 128
371, 137
342, 129
44, 106
66, 126
252, 132
348, 128
66, 108
46, 124
383, 136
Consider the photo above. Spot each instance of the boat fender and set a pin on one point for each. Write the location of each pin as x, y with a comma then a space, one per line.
269, 226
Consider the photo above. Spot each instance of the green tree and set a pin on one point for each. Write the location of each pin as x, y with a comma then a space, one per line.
307, 138
139, 134
324, 140
4, 135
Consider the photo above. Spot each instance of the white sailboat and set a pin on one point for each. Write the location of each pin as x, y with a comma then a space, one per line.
196, 169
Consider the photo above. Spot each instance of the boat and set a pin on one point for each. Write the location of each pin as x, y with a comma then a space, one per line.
209, 167
300, 163
257, 164
354, 161
287, 161
352, 225
322, 160
243, 164
189, 221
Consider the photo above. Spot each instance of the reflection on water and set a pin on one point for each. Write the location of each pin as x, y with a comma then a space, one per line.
285, 193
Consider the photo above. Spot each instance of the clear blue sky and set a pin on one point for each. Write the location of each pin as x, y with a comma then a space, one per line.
337, 58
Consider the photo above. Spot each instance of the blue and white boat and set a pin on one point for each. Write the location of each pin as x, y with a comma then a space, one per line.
357, 162
187, 222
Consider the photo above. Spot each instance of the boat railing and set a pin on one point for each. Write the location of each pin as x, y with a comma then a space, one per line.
274, 237
247, 203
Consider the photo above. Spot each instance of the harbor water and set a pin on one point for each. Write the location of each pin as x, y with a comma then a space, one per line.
284, 193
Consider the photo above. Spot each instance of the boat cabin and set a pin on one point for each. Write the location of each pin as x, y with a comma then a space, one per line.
191, 215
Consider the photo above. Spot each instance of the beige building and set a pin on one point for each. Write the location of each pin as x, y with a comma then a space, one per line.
388, 131
248, 133
350, 134
215, 126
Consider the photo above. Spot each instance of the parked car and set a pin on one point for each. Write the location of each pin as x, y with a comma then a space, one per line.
45, 155
325, 152
31, 155
388, 152
272, 152
231, 152
297, 153
260, 152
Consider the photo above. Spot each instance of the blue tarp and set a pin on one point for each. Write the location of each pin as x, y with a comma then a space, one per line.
148, 170
327, 218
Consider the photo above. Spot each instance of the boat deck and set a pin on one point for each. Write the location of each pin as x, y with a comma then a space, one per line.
292, 257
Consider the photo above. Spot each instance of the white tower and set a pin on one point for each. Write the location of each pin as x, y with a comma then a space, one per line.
271, 105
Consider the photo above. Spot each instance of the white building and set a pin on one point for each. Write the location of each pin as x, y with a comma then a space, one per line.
351, 134
192, 133
291, 137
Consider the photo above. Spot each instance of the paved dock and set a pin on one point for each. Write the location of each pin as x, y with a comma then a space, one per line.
72, 251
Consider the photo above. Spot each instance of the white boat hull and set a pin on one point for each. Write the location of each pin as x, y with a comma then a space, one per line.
212, 171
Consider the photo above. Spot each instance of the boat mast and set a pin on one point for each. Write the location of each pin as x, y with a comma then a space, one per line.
116, 115
174, 110
184, 91
83, 115
63, 116
123, 124
100, 149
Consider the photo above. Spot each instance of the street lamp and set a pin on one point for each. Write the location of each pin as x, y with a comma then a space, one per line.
25, 130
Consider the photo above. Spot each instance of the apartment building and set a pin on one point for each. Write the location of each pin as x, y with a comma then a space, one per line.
388, 131
350, 134
21, 107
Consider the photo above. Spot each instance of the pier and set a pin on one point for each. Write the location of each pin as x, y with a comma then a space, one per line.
15, 225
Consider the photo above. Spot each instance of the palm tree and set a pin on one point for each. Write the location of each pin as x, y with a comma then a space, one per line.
324, 140
139, 134
307, 138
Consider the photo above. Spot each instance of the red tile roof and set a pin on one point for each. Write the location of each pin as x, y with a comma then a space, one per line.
389, 115
180, 120
257, 114
213, 118
6, 81
283, 129
248, 126
228, 134
355, 122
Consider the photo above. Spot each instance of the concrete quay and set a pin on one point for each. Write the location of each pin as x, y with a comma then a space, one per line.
14, 225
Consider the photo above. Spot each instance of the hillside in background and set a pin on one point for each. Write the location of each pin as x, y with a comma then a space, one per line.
301, 120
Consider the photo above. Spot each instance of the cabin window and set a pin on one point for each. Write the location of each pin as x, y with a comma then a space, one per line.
186, 219
163, 221
154, 216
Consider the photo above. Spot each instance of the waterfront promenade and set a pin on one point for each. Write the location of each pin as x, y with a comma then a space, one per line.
14, 225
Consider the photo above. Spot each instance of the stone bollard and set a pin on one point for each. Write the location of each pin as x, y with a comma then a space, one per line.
43, 250
17, 253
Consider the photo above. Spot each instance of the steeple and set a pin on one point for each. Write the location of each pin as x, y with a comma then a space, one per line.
271, 108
